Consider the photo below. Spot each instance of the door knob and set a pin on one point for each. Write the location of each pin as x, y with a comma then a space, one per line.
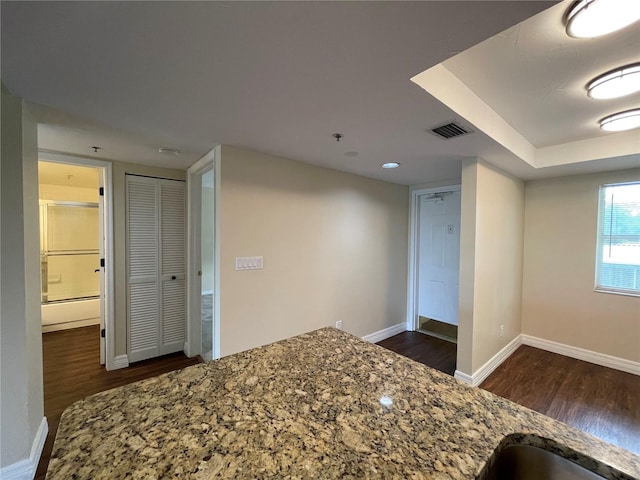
173, 277
96, 270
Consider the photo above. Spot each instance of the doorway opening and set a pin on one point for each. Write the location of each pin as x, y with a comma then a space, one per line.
206, 262
75, 248
203, 337
435, 261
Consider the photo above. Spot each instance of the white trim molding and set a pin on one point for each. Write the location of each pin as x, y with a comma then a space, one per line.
412, 270
26, 469
578, 353
463, 377
494, 362
108, 294
385, 333
193, 344
121, 361
570, 351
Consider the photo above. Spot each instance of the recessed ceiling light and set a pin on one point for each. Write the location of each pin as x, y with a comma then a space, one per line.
616, 83
390, 165
169, 151
593, 18
622, 121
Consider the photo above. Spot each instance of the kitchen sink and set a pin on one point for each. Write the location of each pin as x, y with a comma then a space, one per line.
525, 462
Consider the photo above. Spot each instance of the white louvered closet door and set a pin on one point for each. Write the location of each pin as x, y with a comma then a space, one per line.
156, 267
173, 263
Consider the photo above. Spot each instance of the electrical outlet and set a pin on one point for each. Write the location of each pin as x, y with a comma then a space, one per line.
502, 330
339, 324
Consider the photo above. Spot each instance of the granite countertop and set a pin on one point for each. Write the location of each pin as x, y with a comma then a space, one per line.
308, 407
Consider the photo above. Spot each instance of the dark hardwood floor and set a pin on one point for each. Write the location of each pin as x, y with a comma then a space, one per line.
597, 400
72, 371
431, 351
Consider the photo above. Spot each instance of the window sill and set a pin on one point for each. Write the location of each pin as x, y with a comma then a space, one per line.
626, 293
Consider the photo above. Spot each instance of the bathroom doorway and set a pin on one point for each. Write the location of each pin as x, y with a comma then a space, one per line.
75, 246
206, 262
203, 253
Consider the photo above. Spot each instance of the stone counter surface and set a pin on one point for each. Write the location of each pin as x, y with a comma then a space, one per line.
308, 407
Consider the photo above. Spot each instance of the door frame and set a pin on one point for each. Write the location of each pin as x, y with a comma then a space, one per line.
193, 344
412, 270
107, 293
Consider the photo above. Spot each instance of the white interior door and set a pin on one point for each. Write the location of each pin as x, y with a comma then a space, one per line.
143, 255
156, 263
202, 279
173, 265
439, 256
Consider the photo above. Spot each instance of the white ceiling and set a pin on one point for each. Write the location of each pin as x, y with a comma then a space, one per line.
277, 77
534, 76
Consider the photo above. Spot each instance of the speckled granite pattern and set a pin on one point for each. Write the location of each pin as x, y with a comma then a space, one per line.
308, 407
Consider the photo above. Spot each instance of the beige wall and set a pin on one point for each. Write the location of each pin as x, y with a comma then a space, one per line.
334, 247
466, 289
75, 194
491, 239
21, 395
559, 301
119, 240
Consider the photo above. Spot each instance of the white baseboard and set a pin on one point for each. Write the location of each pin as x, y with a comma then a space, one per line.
385, 333
485, 370
601, 359
463, 377
54, 327
26, 469
120, 361
570, 351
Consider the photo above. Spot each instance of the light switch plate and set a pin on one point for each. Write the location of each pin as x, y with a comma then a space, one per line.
249, 263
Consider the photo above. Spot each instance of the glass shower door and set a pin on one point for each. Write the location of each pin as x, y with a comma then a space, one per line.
70, 255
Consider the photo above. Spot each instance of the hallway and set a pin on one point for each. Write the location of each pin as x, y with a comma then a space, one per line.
72, 371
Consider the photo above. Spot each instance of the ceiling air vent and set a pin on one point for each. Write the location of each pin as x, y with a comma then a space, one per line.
450, 130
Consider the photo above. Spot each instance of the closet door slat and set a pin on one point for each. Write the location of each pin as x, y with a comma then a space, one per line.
143, 255
172, 239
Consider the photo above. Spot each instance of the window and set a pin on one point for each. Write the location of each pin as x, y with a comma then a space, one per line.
618, 250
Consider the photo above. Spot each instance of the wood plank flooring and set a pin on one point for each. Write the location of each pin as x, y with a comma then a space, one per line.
431, 351
597, 400
72, 371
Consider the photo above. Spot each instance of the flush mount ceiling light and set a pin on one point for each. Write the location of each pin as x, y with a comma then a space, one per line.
168, 151
390, 165
593, 18
616, 83
622, 121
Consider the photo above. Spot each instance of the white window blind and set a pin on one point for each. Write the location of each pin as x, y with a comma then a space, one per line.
618, 251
